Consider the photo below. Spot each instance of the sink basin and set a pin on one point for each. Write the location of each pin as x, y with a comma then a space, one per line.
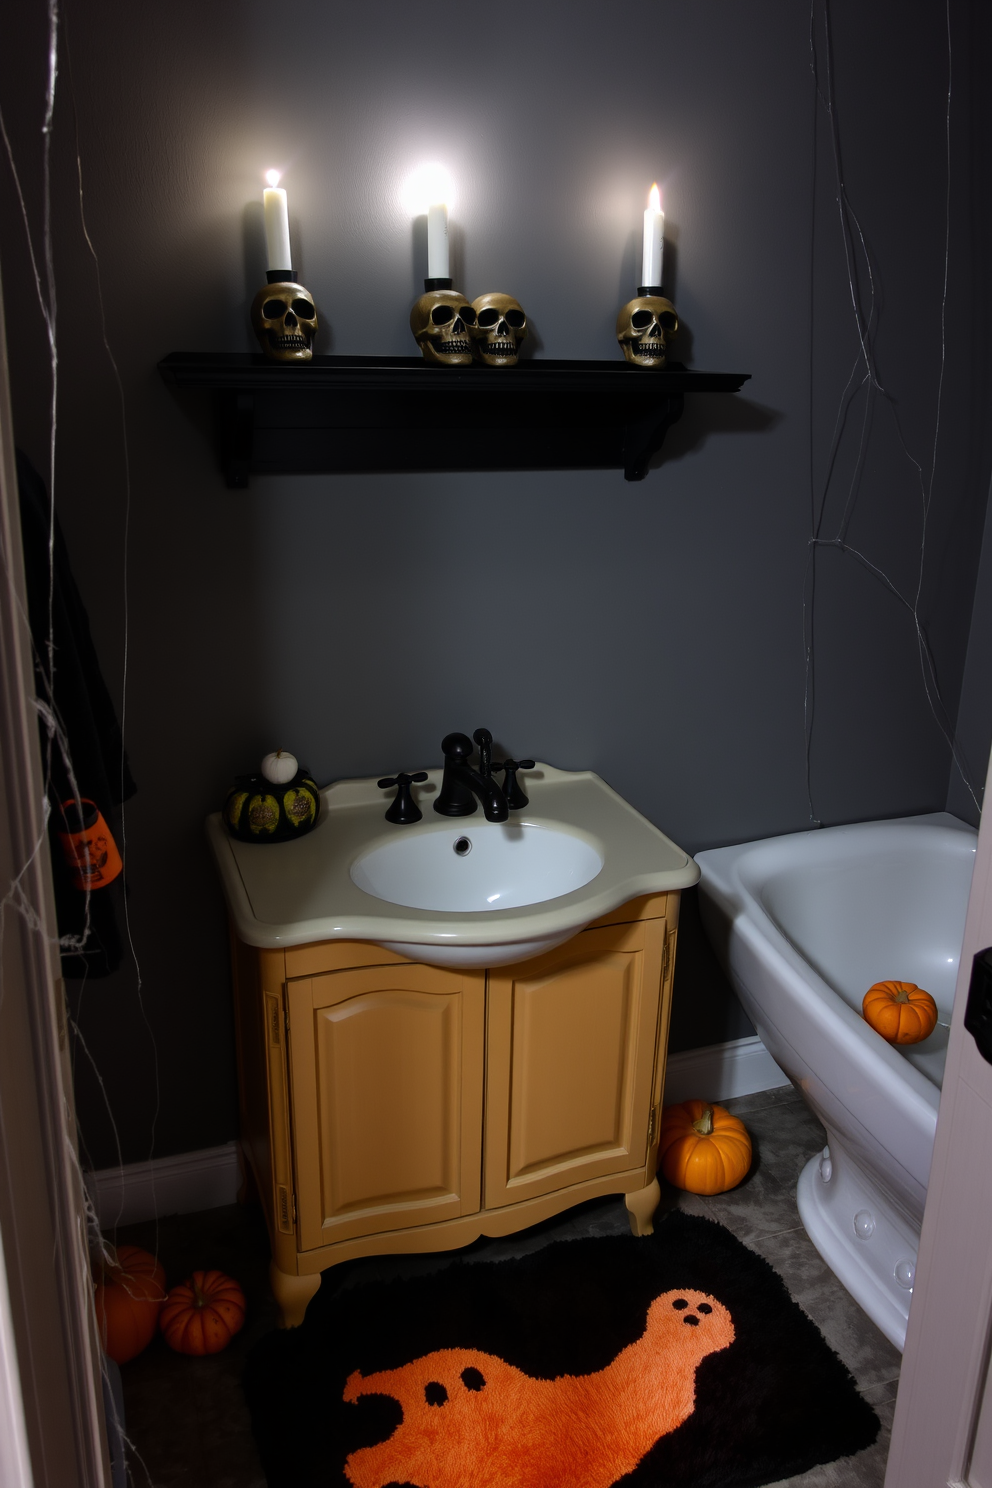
461, 893
478, 867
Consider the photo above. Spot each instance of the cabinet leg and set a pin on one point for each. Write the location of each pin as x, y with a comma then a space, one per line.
292, 1293
641, 1205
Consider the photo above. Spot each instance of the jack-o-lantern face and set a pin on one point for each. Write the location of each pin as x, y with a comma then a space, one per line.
643, 327
441, 322
285, 320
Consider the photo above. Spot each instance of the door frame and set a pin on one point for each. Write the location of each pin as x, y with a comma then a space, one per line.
50, 1356
945, 1363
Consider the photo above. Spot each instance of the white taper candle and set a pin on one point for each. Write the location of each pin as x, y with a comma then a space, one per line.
654, 231
437, 241
277, 224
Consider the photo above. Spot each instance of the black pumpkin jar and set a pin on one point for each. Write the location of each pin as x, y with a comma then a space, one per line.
258, 810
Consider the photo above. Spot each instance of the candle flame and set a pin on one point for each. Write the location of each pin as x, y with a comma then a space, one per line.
654, 198
273, 177
429, 185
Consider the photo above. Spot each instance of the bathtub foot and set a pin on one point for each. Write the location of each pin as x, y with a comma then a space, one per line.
641, 1205
865, 1241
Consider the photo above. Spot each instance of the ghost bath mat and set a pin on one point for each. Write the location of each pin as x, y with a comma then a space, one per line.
673, 1361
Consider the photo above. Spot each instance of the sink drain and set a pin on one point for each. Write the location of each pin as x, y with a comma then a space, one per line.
462, 846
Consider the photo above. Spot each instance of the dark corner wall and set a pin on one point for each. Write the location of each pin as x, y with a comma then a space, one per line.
655, 633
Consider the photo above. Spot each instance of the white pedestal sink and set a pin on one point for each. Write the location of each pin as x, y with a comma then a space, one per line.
477, 869
463, 892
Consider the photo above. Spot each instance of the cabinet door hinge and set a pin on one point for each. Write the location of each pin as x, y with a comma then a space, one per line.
653, 1123
666, 959
286, 1206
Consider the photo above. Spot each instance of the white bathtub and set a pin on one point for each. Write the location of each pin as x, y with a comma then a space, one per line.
804, 925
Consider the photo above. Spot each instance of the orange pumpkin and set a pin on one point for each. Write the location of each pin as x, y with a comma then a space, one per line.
203, 1314
703, 1148
900, 1011
130, 1290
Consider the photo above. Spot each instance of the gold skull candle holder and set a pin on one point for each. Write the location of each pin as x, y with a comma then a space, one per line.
284, 317
644, 326
500, 327
442, 322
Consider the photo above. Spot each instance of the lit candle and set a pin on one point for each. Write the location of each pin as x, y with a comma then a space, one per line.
437, 241
277, 224
654, 229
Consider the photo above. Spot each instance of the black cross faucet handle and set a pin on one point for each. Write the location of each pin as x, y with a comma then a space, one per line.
515, 797
404, 809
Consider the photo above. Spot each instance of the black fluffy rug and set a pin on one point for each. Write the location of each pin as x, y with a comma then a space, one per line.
674, 1361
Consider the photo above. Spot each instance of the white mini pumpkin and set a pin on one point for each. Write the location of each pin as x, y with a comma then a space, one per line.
279, 767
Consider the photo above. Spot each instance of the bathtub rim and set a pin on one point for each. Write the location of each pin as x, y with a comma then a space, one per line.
722, 882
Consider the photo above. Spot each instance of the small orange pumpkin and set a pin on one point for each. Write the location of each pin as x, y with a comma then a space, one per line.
703, 1149
202, 1315
900, 1011
130, 1290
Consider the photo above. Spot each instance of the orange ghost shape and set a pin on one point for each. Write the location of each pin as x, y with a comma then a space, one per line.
471, 1418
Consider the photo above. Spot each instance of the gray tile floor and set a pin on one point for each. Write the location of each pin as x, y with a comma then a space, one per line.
186, 1418
762, 1213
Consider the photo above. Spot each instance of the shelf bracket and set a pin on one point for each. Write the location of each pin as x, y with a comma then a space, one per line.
236, 427
644, 438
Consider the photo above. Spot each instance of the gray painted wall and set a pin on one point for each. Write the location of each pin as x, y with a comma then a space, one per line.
653, 632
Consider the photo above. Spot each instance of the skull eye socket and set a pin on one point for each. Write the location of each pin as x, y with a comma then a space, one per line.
488, 317
441, 314
467, 314
640, 319
303, 309
515, 318
668, 320
274, 309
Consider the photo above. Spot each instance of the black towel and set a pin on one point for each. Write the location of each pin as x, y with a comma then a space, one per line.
82, 704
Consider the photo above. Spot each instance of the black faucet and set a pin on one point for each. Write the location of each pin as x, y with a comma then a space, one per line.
461, 783
515, 798
484, 739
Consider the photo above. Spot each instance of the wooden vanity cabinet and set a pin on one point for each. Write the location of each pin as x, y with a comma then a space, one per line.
572, 1055
386, 1073
391, 1106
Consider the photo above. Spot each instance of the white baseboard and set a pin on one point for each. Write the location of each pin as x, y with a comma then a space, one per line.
182, 1184
721, 1071
210, 1177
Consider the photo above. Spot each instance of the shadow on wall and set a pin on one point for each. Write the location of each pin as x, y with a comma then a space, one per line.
705, 1009
709, 414
713, 414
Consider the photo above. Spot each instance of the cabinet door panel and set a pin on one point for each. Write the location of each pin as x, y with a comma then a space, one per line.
572, 1043
387, 1098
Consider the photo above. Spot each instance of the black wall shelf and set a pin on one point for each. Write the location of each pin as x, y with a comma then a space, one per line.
340, 413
